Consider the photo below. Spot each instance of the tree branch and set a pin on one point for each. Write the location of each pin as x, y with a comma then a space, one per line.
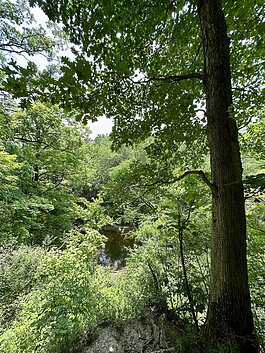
161, 182
177, 78
171, 78
189, 214
24, 139
196, 56
201, 173
54, 186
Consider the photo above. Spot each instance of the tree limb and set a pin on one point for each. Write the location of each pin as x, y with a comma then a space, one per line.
201, 173
176, 78
161, 182
171, 78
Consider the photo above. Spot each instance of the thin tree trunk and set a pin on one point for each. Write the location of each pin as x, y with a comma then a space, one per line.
229, 311
186, 281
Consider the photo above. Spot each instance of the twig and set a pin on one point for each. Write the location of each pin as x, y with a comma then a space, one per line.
189, 213
246, 124
165, 350
54, 186
147, 203
197, 54
203, 276
153, 275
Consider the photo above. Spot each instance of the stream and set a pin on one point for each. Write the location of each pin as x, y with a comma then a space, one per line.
116, 247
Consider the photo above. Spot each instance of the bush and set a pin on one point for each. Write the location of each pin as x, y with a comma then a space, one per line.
18, 267
73, 294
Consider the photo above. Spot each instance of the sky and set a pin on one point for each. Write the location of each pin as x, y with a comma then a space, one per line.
102, 126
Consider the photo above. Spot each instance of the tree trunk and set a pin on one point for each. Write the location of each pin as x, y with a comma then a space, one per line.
186, 281
229, 313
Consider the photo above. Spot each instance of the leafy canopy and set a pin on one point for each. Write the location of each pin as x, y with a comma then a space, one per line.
141, 63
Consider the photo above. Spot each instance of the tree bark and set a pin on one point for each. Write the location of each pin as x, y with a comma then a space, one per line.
229, 312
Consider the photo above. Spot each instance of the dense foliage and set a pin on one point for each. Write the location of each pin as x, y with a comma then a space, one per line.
60, 190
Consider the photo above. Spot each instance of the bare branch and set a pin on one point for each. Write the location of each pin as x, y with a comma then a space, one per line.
165, 350
147, 203
20, 46
16, 49
258, 229
153, 275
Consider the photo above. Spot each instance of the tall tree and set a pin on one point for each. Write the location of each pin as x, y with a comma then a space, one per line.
24, 43
229, 305
17, 31
146, 64
42, 151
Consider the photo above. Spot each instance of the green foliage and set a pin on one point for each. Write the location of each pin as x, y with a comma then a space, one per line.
68, 293
10, 193
45, 150
254, 150
100, 163
51, 312
18, 267
256, 261
159, 251
72, 295
24, 43
20, 35
128, 63
140, 64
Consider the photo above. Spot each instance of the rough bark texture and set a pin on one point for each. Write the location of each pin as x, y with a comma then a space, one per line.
229, 312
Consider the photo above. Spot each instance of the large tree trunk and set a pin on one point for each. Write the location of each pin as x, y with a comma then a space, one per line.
229, 311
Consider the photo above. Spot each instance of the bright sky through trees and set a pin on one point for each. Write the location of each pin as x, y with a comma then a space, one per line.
103, 125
